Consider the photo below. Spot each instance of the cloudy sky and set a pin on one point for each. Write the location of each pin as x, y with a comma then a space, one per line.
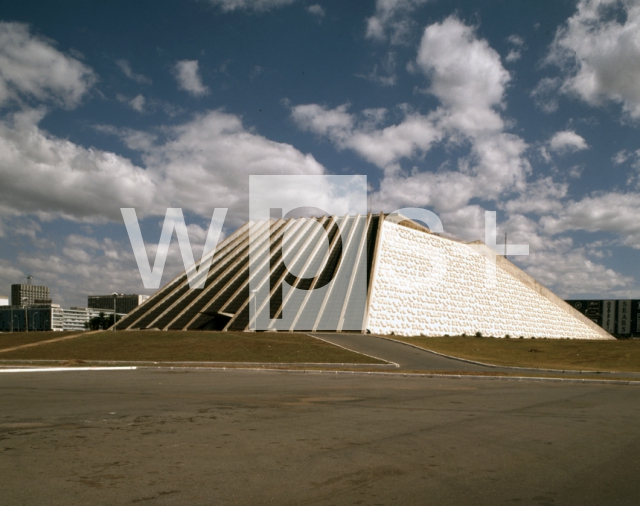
530, 109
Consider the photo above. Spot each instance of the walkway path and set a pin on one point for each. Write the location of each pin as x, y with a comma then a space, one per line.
408, 357
48, 341
411, 358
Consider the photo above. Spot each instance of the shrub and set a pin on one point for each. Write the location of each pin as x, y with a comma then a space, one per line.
507, 336
478, 334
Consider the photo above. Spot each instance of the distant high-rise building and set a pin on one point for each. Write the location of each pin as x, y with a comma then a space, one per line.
124, 303
29, 295
4, 300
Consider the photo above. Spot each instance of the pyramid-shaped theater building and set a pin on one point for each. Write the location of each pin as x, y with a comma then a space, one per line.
360, 274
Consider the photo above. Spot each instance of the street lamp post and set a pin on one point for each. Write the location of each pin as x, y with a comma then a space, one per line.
26, 317
255, 309
115, 316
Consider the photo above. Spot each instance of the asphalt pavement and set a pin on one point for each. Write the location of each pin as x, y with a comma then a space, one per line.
157, 437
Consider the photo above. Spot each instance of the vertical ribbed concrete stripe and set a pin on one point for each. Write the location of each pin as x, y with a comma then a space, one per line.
335, 296
332, 246
241, 265
276, 243
372, 275
216, 266
158, 311
315, 240
208, 296
131, 320
218, 270
274, 230
347, 296
339, 268
299, 236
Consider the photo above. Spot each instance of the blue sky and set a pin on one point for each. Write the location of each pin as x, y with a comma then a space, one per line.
530, 109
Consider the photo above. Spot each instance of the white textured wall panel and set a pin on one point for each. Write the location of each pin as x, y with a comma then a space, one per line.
428, 285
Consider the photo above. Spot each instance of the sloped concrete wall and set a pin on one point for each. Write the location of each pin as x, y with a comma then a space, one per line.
429, 285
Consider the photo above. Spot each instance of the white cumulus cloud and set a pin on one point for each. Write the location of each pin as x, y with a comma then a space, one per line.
137, 103
466, 75
125, 66
610, 212
188, 76
45, 175
198, 165
567, 141
392, 20
316, 10
32, 68
253, 5
599, 50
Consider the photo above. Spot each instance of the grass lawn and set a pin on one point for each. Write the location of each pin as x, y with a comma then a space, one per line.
200, 346
11, 339
570, 354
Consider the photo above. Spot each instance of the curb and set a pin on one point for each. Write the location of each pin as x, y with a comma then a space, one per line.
332, 372
352, 351
65, 369
401, 375
7, 363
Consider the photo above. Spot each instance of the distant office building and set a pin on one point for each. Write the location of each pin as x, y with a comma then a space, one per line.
36, 318
29, 295
57, 318
4, 300
40, 318
75, 318
124, 303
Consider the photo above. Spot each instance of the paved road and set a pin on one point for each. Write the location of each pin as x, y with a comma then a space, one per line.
156, 437
407, 357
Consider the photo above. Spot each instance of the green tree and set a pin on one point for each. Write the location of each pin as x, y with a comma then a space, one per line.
101, 321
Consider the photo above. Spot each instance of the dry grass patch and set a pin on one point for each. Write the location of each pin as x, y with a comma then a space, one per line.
570, 354
11, 339
199, 346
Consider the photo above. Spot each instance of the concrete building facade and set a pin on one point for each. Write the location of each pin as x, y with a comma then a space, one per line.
35, 318
125, 303
75, 318
40, 318
415, 283
25, 294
